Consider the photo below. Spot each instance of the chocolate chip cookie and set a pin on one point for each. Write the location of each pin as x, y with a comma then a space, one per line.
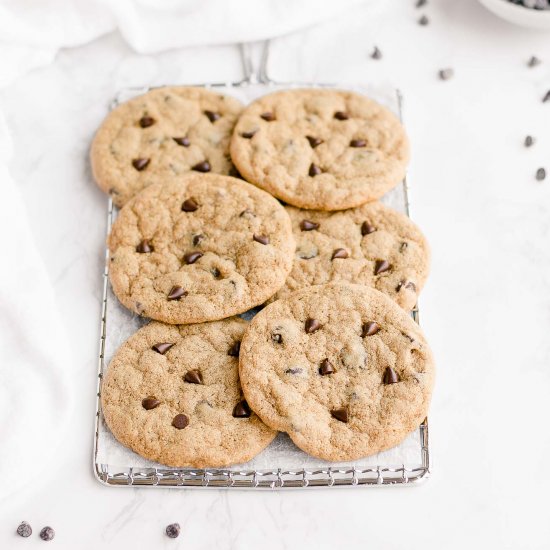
198, 248
172, 394
372, 245
340, 367
163, 133
320, 149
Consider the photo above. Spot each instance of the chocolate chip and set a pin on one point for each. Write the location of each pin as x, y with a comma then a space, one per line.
376, 53
381, 266
150, 403
270, 117
180, 421
339, 253
234, 349
446, 74
390, 376
367, 228
541, 174
312, 325
420, 3
325, 368
183, 141
262, 239
533, 61
529, 141
146, 121
249, 135
341, 115
140, 164
176, 292
242, 410
546, 97
189, 205
307, 225
193, 376
423, 21
173, 530
403, 247
370, 328
203, 167
215, 272
47, 534
358, 143
144, 247
212, 116
313, 141
409, 285
294, 371
24, 530
314, 170
192, 257
277, 338
162, 348
247, 214
197, 239
340, 414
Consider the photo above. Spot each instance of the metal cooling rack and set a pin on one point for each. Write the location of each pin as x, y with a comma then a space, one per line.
278, 478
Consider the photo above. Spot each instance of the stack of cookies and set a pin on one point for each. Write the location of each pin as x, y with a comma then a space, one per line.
273, 208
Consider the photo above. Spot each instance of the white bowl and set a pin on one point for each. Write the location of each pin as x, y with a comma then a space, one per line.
519, 15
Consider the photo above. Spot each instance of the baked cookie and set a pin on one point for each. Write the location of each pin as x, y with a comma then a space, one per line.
163, 133
198, 248
320, 149
340, 367
172, 394
372, 245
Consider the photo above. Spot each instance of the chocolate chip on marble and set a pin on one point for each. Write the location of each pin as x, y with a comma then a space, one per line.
189, 205
313, 141
193, 376
183, 141
381, 266
325, 367
409, 285
533, 61
150, 403
140, 164
277, 338
296, 370
358, 143
180, 421
242, 410
249, 135
203, 167
262, 239
341, 253
367, 228
176, 292
370, 328
446, 74
541, 174
144, 247
269, 117
423, 21
341, 115
234, 349
314, 170
146, 121
529, 141
173, 530
546, 97
308, 225
390, 376
376, 53
162, 348
24, 530
192, 257
420, 3
403, 247
47, 533
312, 325
340, 414
212, 116
198, 238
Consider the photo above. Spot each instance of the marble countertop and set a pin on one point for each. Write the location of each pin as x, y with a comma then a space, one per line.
486, 308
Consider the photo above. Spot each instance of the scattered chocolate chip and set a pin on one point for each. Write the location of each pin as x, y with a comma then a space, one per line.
529, 141
314, 170
180, 421
420, 3
262, 239
339, 253
249, 135
546, 97
403, 247
358, 143
367, 228
24, 530
381, 266
270, 117
446, 74
215, 273
176, 292
203, 167
144, 247
340, 414
150, 403
140, 164
312, 325
193, 376
294, 371
307, 225
423, 21
533, 61
390, 376
541, 174
162, 348
409, 285
197, 239
234, 349
146, 121
370, 328
376, 53
212, 116
189, 205
277, 338
242, 410
341, 115
47, 534
325, 368
173, 530
247, 214
192, 257
313, 141
183, 141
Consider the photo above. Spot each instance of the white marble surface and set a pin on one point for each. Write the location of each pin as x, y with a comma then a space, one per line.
486, 308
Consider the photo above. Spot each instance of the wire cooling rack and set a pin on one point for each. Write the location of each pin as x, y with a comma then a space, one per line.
316, 473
